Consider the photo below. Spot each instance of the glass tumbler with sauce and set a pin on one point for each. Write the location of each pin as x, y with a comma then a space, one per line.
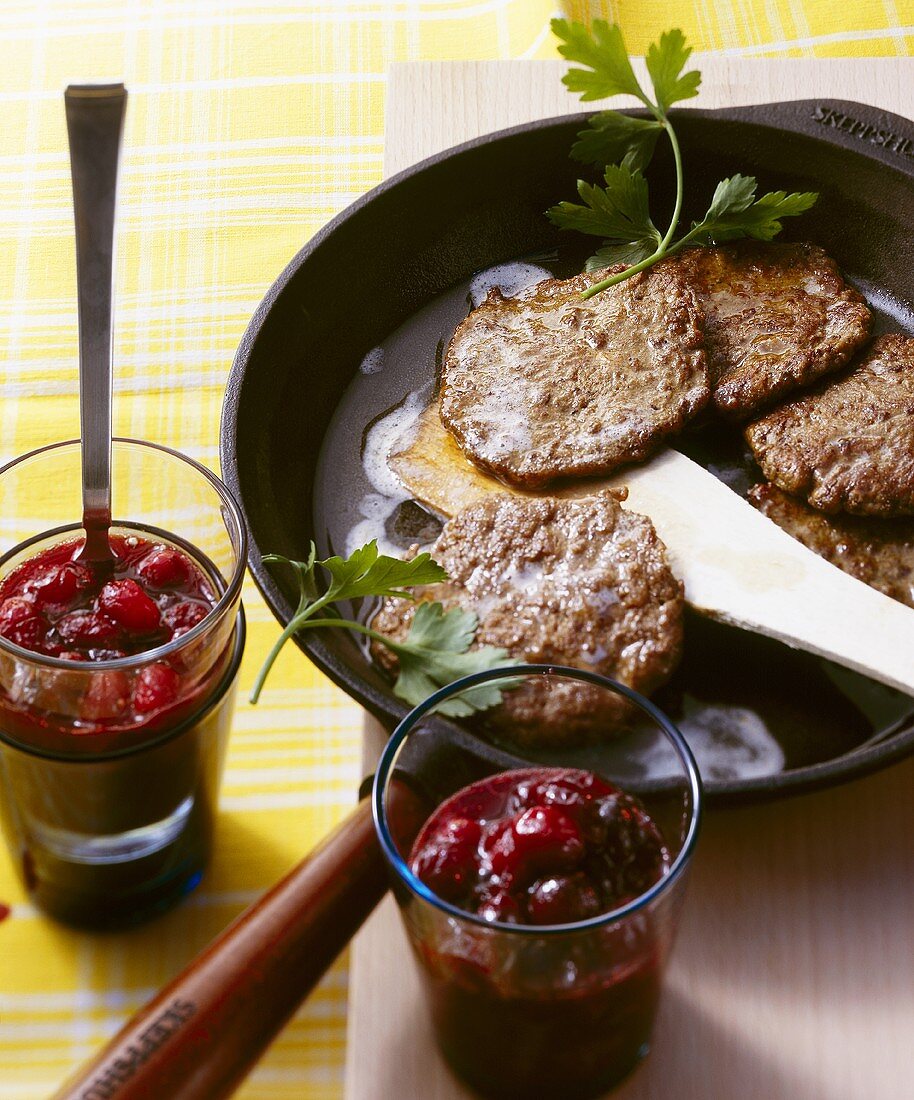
116, 690
539, 897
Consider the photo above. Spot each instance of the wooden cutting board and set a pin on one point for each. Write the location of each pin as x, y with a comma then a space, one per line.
793, 975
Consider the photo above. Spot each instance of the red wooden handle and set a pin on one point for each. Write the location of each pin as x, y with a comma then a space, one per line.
202, 1034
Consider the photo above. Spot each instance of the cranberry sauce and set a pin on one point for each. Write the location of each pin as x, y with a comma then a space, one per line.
60, 607
549, 846
568, 1045
57, 606
561, 1012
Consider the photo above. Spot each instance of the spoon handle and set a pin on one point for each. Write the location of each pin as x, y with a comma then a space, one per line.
95, 120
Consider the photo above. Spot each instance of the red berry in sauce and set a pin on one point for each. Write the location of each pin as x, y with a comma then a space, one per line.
546, 836
59, 585
88, 630
20, 624
543, 846
499, 906
164, 568
130, 606
534, 841
108, 695
448, 865
498, 848
563, 899
14, 611
570, 789
156, 687
184, 616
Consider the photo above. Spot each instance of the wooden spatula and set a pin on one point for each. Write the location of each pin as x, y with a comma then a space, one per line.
737, 566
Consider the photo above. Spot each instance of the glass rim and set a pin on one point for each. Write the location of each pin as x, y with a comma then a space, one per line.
420, 890
225, 602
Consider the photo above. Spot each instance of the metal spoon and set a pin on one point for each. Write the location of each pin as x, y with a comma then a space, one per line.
95, 120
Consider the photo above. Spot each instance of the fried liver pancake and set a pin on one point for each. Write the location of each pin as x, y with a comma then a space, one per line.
546, 385
776, 317
579, 582
848, 446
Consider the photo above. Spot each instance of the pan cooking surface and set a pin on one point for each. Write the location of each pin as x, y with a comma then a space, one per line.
344, 353
750, 707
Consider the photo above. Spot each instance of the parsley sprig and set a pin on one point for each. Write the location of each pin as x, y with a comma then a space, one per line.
620, 211
437, 648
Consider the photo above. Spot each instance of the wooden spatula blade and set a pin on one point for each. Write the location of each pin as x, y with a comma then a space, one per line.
739, 567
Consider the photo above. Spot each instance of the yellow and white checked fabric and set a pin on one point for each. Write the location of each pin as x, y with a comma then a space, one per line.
249, 126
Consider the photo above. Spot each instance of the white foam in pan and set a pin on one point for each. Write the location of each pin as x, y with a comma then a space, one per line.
381, 437
510, 279
373, 361
376, 508
729, 742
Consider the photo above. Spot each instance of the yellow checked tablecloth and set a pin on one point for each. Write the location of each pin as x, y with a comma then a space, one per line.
249, 126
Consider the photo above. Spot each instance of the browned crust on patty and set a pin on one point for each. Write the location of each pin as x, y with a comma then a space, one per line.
546, 385
777, 316
879, 552
848, 445
576, 582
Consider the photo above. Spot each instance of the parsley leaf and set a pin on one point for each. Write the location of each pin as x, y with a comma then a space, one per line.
611, 255
367, 573
731, 196
665, 61
603, 51
735, 212
436, 650
620, 211
611, 136
305, 570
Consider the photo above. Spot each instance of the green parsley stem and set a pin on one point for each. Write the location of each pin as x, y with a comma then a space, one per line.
663, 248
621, 276
302, 622
677, 208
295, 624
349, 624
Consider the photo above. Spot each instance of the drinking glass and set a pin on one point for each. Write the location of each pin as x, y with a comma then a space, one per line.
522, 1010
109, 813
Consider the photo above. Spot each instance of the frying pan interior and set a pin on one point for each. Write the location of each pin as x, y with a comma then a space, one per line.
411, 239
